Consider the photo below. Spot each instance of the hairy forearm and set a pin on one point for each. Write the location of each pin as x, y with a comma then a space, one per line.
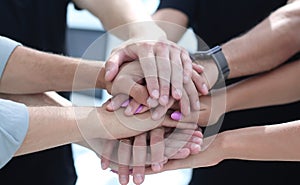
272, 142
276, 87
267, 45
30, 71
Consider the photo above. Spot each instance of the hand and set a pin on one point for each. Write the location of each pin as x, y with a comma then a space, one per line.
164, 144
213, 106
129, 82
159, 72
210, 156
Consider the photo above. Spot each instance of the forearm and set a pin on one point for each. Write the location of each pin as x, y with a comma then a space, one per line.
275, 87
267, 45
118, 14
49, 127
273, 142
31, 71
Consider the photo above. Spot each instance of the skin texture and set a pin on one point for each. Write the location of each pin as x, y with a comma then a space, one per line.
271, 142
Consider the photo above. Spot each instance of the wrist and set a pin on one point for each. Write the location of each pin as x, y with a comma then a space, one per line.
147, 30
215, 55
228, 145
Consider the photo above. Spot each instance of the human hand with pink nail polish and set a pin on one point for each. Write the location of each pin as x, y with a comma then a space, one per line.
213, 106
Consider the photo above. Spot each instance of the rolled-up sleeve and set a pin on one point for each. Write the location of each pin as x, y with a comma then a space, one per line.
14, 121
7, 46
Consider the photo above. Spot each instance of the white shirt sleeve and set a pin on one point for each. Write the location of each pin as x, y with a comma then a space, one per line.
14, 117
14, 121
7, 46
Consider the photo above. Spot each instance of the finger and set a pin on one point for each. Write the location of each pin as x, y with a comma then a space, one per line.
124, 156
148, 64
161, 110
118, 101
139, 93
106, 154
184, 104
117, 58
157, 148
177, 73
139, 158
176, 153
113, 63
187, 66
200, 83
191, 118
168, 122
164, 71
132, 108
198, 68
193, 95
180, 154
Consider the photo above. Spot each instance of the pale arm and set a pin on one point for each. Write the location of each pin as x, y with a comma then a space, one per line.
276, 87
31, 71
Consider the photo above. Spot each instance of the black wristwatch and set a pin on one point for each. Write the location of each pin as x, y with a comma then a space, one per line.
218, 57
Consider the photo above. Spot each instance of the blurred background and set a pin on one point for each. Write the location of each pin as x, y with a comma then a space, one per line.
83, 30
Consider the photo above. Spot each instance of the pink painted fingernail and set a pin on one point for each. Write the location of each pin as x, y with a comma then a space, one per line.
176, 116
139, 109
125, 103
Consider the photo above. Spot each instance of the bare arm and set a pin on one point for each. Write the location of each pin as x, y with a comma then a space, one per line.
30, 71
266, 46
276, 87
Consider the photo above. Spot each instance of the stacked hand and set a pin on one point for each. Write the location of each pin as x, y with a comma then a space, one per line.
134, 88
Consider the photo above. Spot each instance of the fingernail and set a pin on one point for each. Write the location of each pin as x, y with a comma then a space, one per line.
138, 178
186, 79
125, 103
195, 146
164, 100
155, 94
139, 109
198, 105
128, 110
197, 140
110, 106
151, 102
176, 116
156, 167
205, 89
155, 116
104, 166
178, 93
123, 179
107, 74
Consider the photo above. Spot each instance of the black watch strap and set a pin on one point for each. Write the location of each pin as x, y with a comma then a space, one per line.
218, 57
